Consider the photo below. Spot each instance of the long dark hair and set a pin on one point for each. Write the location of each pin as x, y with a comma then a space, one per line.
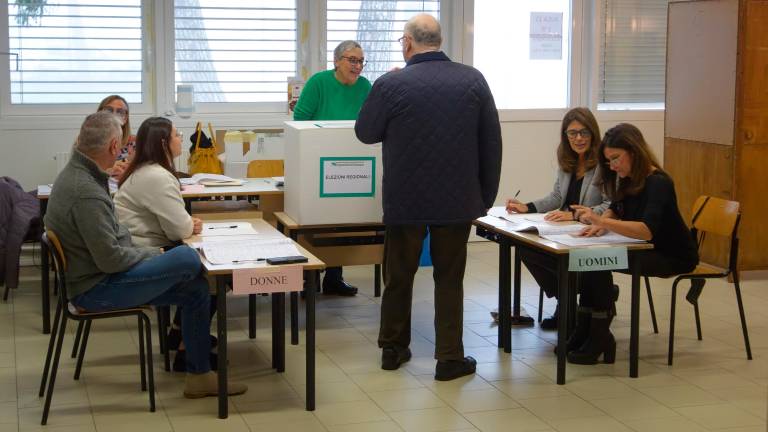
127, 125
153, 145
628, 138
566, 157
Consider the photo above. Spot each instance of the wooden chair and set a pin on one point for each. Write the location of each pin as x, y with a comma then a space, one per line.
66, 311
715, 217
266, 168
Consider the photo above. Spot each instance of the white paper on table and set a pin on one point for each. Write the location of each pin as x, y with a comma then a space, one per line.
207, 177
227, 229
336, 124
608, 238
535, 217
248, 251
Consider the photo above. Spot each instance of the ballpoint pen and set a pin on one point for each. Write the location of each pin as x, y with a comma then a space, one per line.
223, 227
518, 193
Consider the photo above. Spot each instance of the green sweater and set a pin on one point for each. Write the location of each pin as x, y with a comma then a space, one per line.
325, 98
81, 213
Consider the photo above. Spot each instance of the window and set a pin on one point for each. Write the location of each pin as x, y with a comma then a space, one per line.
523, 49
74, 51
633, 60
376, 25
235, 51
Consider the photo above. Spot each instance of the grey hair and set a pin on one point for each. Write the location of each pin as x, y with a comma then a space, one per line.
422, 34
97, 132
342, 47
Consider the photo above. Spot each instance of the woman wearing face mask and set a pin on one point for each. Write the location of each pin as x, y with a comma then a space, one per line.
336, 94
577, 183
643, 206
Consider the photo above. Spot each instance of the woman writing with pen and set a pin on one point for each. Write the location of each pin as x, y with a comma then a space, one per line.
577, 182
643, 206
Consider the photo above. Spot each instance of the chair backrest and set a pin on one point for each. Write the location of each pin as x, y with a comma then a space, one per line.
266, 168
715, 215
51, 241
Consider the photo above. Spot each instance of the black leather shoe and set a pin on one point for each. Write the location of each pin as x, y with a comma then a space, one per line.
180, 361
448, 370
551, 322
391, 358
338, 287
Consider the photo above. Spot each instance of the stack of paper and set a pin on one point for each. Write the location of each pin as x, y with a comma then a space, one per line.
561, 232
211, 180
248, 251
227, 229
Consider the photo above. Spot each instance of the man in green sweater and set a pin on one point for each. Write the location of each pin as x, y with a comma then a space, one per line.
106, 271
336, 94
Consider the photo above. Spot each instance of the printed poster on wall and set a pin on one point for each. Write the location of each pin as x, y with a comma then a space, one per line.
546, 36
347, 177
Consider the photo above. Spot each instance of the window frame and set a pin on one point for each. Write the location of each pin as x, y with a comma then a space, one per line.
7, 109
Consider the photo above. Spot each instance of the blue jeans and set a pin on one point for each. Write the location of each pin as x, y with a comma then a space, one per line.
173, 278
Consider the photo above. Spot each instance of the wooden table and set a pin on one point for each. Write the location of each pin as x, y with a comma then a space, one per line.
270, 201
559, 253
336, 245
223, 275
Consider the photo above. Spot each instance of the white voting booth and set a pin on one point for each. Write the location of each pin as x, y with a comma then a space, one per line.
330, 176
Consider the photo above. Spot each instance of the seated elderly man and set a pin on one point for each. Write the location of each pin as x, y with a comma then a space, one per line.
106, 271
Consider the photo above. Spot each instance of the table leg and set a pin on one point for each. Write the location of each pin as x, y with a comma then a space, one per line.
517, 319
505, 331
563, 302
377, 280
634, 339
275, 355
252, 316
281, 332
221, 327
294, 318
310, 289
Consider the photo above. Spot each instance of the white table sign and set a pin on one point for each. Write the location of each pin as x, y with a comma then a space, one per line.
268, 279
599, 258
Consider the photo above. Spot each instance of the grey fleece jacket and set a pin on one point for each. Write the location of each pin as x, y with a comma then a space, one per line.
81, 213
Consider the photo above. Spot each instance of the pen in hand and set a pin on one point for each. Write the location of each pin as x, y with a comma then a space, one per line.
518, 193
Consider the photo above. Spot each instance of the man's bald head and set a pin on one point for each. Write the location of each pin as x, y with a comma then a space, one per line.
425, 31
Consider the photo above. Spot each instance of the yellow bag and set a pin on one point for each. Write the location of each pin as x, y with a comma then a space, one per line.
205, 160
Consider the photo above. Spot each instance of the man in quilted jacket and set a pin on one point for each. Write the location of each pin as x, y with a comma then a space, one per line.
442, 162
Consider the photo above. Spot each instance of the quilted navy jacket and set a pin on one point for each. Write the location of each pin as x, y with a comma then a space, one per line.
441, 141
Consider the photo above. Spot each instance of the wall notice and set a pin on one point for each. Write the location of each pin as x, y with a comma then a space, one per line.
546, 36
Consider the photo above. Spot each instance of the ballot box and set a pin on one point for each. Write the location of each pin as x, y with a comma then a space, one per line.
330, 176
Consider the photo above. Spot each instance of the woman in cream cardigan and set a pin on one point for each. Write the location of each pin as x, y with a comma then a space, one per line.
149, 203
577, 183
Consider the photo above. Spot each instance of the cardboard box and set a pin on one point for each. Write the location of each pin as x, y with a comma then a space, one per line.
330, 176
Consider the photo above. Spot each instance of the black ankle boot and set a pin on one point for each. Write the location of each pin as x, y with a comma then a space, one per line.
580, 333
599, 342
697, 286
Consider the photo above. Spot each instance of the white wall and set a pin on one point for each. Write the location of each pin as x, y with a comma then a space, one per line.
529, 148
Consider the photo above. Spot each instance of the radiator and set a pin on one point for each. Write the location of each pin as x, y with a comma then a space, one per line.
62, 158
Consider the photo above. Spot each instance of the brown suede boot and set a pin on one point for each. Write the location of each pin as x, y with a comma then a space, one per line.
207, 384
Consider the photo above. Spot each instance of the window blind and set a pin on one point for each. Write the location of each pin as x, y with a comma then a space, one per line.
632, 65
74, 51
376, 25
235, 51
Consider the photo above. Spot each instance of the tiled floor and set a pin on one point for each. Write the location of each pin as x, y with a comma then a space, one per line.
711, 386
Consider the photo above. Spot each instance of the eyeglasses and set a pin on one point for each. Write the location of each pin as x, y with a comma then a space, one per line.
118, 111
355, 61
401, 39
573, 133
